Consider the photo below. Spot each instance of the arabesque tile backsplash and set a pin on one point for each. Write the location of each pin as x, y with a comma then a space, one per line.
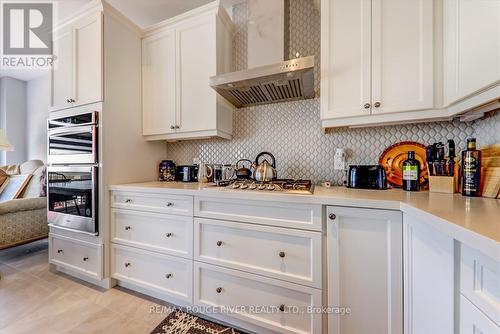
292, 131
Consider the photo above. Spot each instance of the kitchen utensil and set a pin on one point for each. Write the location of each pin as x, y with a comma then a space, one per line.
430, 156
392, 161
243, 172
265, 171
223, 173
451, 158
205, 172
490, 170
187, 173
367, 177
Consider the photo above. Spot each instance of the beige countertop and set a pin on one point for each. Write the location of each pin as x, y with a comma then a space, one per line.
474, 221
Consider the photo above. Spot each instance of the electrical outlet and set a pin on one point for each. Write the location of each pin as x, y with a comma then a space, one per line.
339, 159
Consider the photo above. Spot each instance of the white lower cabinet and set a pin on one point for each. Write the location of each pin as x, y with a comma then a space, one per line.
287, 254
429, 285
167, 275
272, 304
76, 255
473, 321
365, 270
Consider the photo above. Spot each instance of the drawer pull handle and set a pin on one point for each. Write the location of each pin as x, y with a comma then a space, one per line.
128, 201
332, 216
167, 276
59, 251
168, 235
127, 264
85, 259
170, 203
218, 290
219, 243
127, 228
282, 254
282, 308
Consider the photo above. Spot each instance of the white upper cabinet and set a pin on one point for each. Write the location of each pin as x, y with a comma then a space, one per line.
77, 70
158, 83
402, 55
377, 57
179, 57
471, 47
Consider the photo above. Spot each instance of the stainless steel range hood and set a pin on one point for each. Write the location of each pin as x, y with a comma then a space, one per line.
270, 78
285, 81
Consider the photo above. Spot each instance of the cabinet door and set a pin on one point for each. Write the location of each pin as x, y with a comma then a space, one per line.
365, 270
158, 83
402, 55
88, 60
345, 58
428, 279
473, 321
62, 69
196, 63
471, 47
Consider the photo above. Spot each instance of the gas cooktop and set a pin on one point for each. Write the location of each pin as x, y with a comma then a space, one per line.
288, 186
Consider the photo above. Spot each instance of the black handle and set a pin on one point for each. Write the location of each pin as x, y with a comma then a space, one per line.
241, 160
85, 258
273, 163
59, 251
282, 254
219, 243
218, 290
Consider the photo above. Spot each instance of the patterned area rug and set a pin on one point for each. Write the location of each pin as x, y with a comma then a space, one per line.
179, 322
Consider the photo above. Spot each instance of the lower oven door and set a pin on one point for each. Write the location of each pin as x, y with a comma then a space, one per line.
72, 198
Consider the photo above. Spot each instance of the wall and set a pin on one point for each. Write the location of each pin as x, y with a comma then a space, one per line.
13, 118
292, 131
38, 100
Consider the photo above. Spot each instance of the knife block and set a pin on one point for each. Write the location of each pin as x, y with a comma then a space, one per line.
445, 184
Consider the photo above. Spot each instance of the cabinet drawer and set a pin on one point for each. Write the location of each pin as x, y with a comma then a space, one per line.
164, 274
276, 252
76, 255
221, 287
480, 281
171, 204
292, 215
473, 321
153, 231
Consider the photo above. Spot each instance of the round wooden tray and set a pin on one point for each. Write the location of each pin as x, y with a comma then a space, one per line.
392, 161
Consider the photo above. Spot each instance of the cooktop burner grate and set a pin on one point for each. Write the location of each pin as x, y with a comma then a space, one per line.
288, 186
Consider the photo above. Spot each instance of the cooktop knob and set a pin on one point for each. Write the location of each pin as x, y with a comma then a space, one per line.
271, 187
261, 187
244, 186
235, 185
252, 186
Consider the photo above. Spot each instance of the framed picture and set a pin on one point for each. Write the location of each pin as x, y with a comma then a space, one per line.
13, 187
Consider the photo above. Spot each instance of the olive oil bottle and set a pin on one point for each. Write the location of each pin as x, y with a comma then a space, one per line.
471, 169
411, 173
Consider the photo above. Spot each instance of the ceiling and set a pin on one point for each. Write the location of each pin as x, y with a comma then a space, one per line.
143, 13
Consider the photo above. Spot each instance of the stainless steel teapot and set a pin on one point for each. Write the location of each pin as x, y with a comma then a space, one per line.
265, 171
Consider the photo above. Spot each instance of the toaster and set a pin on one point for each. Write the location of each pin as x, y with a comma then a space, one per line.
367, 177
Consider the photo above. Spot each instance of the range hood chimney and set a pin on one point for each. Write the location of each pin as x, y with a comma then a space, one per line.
269, 78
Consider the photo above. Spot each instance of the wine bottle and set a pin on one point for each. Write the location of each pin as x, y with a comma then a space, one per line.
411, 173
471, 169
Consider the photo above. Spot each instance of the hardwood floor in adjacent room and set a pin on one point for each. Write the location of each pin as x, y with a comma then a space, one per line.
34, 299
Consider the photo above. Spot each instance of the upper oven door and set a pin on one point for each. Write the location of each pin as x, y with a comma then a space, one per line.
72, 198
72, 145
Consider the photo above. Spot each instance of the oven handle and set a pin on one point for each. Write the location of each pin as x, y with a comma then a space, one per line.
72, 230
74, 129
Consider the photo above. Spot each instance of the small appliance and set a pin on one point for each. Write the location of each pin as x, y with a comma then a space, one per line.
367, 177
187, 173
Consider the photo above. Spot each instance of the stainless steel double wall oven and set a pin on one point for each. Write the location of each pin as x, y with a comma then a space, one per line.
72, 175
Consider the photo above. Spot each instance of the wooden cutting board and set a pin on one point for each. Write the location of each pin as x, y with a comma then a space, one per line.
490, 171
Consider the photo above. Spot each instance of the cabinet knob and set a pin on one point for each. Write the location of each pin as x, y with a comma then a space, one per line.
282, 308
172, 127
332, 216
170, 204
367, 106
177, 127
127, 228
219, 243
282, 254
59, 251
377, 104
218, 290
167, 276
168, 235
68, 101
127, 264
128, 201
85, 259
